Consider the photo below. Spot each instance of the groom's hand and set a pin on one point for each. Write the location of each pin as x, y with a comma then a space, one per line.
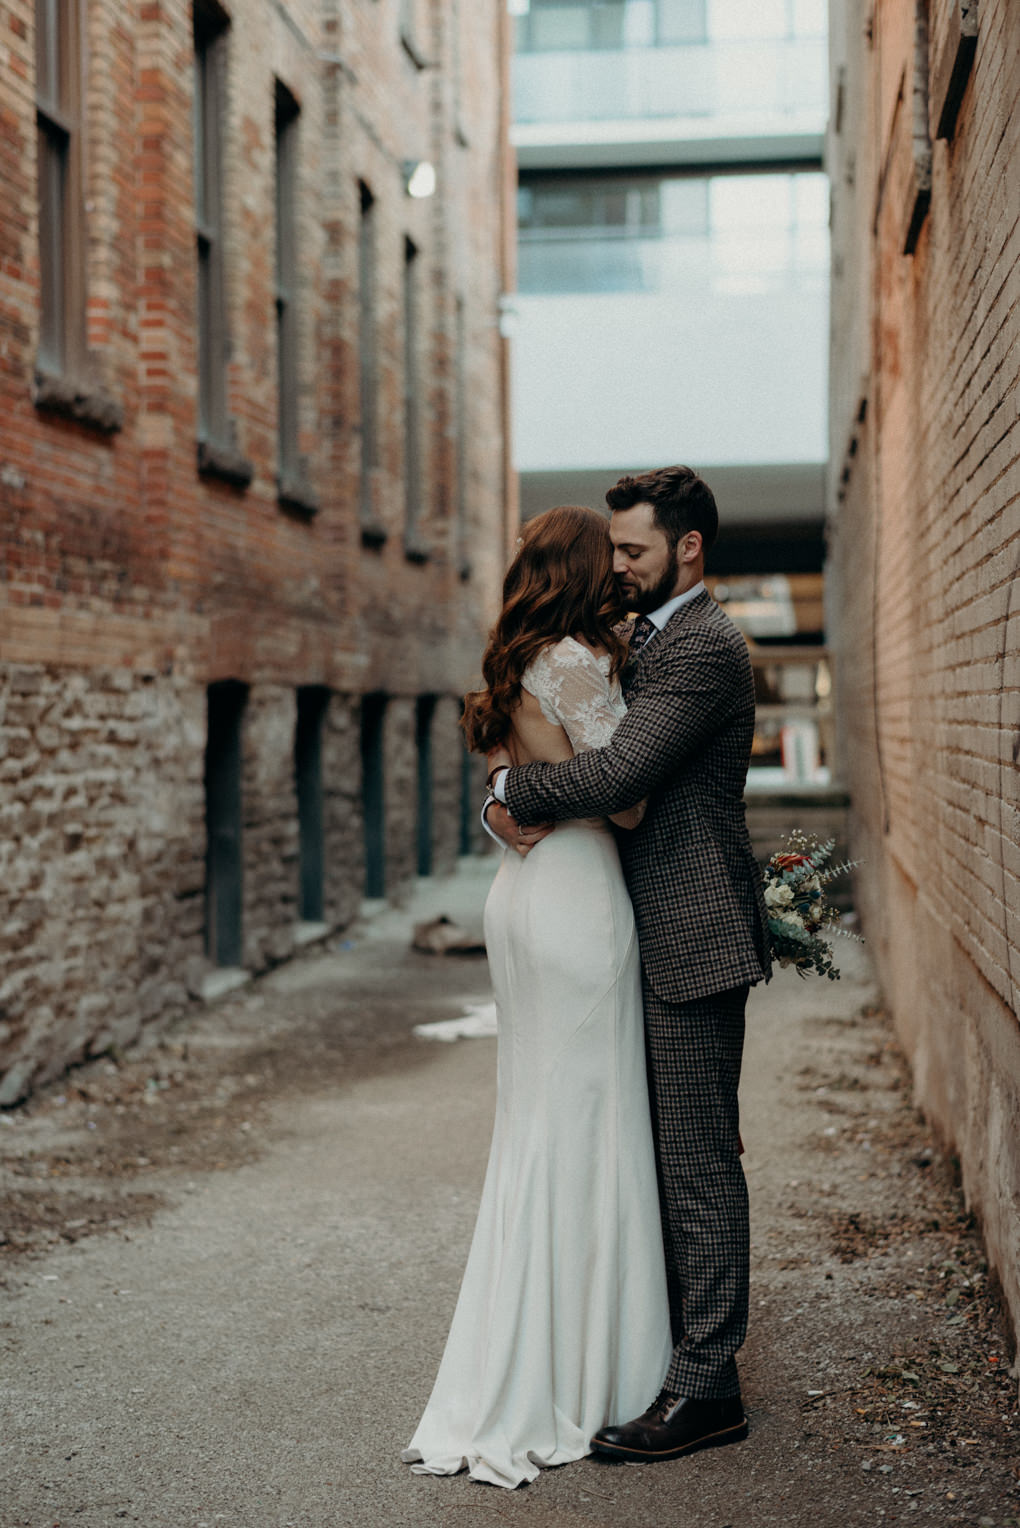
520, 839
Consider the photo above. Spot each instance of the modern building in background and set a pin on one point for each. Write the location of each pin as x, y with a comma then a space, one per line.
254, 494
673, 289
924, 528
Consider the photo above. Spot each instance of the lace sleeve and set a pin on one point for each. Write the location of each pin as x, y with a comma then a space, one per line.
573, 688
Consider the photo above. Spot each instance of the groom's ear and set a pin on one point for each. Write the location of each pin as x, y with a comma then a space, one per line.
689, 547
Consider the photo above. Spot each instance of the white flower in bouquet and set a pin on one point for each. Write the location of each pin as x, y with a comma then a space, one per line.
795, 899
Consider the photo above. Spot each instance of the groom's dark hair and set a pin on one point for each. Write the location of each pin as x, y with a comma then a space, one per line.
681, 502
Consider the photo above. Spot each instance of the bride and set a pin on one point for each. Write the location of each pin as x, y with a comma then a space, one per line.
562, 1323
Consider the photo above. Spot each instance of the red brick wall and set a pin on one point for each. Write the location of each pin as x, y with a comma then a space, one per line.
925, 562
118, 558
121, 530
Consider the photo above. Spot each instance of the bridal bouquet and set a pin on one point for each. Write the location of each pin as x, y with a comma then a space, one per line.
795, 879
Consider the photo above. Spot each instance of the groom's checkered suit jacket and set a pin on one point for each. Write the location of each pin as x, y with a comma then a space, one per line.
685, 743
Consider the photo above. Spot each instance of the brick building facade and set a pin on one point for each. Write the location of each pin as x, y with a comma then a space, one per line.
924, 526
254, 487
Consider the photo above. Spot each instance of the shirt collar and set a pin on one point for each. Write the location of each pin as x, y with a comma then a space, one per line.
661, 617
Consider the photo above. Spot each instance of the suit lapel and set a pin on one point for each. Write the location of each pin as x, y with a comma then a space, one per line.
692, 610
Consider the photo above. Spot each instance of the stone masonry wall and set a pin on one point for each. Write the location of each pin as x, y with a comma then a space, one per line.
101, 862
925, 553
269, 831
400, 790
447, 750
342, 826
102, 848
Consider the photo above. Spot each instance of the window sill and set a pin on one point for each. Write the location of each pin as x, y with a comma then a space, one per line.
952, 68
225, 463
413, 51
374, 534
91, 406
416, 548
297, 494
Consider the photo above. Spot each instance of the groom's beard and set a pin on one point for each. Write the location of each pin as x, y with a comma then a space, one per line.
644, 601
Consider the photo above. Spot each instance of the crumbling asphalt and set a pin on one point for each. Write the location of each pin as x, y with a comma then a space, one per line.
231, 1257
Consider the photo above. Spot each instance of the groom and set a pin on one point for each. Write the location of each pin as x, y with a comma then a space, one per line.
685, 744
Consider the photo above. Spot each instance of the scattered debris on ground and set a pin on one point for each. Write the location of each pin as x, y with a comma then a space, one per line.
880, 1377
92, 1152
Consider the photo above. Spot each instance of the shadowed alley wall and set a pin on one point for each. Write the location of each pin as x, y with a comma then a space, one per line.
924, 529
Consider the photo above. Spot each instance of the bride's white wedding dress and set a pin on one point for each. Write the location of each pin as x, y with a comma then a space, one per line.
562, 1323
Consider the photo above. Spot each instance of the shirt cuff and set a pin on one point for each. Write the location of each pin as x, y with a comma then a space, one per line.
499, 787
490, 798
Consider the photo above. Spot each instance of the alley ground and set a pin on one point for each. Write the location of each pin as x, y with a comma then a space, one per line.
230, 1259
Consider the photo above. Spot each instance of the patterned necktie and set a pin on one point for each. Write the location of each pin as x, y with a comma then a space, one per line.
644, 630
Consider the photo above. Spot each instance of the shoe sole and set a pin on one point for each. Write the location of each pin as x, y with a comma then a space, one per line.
642, 1456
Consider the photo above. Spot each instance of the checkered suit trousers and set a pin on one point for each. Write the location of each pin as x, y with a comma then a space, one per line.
694, 1051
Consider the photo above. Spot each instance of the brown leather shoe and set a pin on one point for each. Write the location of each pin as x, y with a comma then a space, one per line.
672, 1426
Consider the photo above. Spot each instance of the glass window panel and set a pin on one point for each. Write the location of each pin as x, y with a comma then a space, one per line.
742, 20
732, 234
811, 199
638, 25
47, 52
810, 18
681, 21
607, 24
558, 27
684, 205
750, 201
618, 203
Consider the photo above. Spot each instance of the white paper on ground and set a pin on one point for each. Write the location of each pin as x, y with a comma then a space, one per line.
478, 1023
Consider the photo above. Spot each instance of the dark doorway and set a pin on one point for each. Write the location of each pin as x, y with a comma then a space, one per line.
467, 807
224, 869
312, 701
373, 715
424, 713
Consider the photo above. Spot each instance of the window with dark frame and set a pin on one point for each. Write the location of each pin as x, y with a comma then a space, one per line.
210, 27
286, 134
312, 708
457, 72
224, 885
919, 189
373, 533
414, 546
460, 404
58, 35
594, 25
425, 710
373, 792
411, 32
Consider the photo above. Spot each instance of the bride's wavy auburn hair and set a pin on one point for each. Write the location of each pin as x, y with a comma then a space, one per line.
560, 584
